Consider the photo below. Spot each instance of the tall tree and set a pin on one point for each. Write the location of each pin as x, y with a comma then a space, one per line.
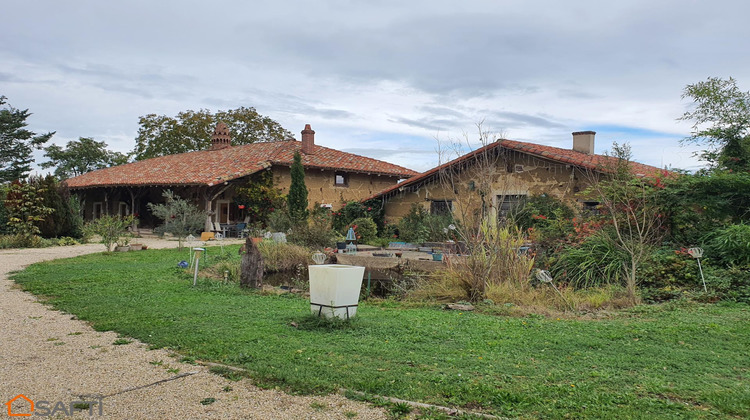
81, 156
297, 197
721, 121
17, 143
161, 135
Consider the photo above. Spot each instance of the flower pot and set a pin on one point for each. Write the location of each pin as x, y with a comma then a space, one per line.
125, 248
257, 240
437, 257
136, 247
334, 290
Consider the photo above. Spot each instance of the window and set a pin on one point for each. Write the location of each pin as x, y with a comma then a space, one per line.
591, 207
97, 210
123, 209
341, 179
441, 207
508, 205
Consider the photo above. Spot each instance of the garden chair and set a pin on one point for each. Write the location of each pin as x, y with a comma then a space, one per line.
219, 229
240, 229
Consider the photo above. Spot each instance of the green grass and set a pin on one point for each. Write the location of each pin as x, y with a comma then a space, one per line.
672, 361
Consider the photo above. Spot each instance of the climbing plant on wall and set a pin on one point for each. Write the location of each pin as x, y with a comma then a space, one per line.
259, 198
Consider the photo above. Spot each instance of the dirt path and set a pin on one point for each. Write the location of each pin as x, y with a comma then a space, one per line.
48, 355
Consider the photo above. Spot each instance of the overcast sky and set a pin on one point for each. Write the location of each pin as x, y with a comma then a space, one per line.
378, 78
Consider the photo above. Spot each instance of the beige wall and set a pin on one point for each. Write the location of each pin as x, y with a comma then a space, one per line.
321, 188
536, 176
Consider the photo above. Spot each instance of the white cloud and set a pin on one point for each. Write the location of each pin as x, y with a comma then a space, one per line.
369, 75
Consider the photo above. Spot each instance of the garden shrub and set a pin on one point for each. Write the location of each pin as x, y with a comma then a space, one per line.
279, 221
3, 211
314, 232
344, 217
412, 227
364, 228
281, 257
110, 228
595, 262
730, 284
64, 220
671, 268
729, 245
25, 208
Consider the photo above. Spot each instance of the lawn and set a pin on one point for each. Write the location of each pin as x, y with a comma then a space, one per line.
670, 361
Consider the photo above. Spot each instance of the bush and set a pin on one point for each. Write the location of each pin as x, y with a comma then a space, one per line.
279, 221
493, 258
3, 211
730, 245
411, 228
110, 228
64, 219
315, 232
669, 268
593, 263
283, 256
364, 228
353, 210
20, 241
730, 284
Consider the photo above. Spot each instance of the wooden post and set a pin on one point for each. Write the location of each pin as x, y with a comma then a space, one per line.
251, 268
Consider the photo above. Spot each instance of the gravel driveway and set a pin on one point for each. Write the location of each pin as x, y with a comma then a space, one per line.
48, 355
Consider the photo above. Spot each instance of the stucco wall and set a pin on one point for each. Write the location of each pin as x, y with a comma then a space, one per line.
321, 188
533, 176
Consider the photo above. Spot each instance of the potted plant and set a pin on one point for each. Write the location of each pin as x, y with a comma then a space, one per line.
256, 232
123, 244
136, 247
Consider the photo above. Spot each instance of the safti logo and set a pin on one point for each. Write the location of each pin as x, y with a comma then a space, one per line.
48, 408
10, 403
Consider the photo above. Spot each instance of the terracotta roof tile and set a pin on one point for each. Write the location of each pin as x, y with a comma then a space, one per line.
593, 162
210, 167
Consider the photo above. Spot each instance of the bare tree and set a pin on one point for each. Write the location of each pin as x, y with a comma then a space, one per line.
630, 205
479, 183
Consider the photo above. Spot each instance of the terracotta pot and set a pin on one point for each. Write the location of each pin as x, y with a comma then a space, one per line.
257, 240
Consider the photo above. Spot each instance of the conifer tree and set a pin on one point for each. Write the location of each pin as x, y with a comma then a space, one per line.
297, 198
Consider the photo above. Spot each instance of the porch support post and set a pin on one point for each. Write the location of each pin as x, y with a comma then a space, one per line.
209, 204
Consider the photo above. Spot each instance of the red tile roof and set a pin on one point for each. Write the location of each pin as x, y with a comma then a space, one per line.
211, 167
598, 163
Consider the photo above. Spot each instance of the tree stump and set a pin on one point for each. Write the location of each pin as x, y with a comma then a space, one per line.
251, 268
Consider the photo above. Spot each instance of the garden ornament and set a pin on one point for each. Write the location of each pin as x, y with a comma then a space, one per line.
197, 253
319, 258
545, 277
697, 253
182, 264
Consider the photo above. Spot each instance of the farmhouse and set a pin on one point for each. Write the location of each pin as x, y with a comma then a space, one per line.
497, 178
209, 177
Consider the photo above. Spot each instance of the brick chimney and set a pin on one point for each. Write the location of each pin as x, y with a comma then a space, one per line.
308, 140
221, 138
583, 141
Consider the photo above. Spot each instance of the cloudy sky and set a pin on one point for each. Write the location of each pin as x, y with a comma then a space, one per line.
379, 78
